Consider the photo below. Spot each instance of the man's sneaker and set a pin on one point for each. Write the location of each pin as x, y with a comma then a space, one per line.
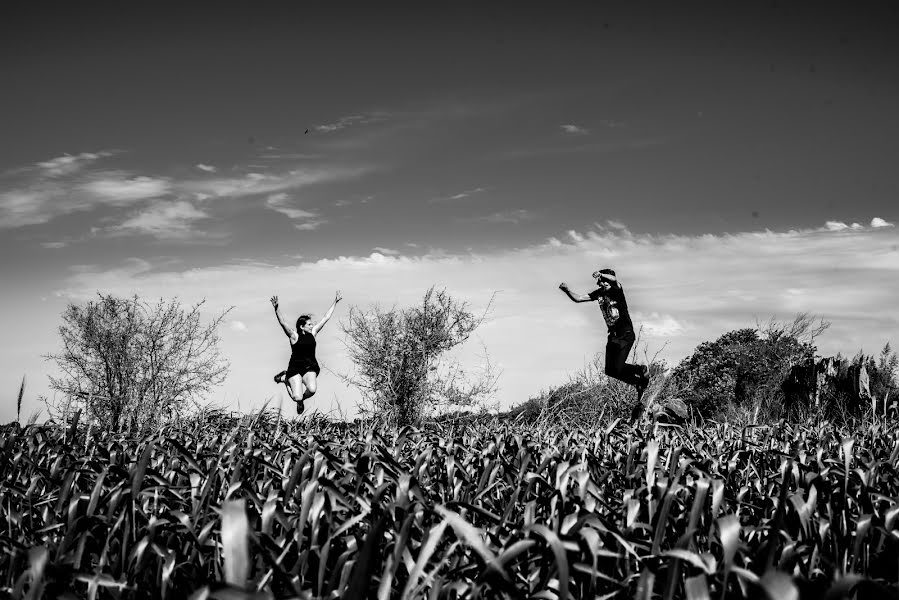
279, 378
301, 406
637, 410
642, 380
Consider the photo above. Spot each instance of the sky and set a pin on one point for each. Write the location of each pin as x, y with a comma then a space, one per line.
733, 162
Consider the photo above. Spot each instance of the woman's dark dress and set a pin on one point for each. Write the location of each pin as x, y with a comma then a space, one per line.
302, 356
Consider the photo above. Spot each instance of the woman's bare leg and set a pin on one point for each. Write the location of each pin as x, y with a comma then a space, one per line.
297, 391
310, 381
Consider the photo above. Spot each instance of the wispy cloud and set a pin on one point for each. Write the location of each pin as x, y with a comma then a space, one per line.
40, 200
506, 216
351, 120
68, 184
459, 196
572, 129
120, 188
238, 326
70, 163
164, 220
253, 184
281, 203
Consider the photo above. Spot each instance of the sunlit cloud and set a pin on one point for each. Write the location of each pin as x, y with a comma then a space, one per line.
253, 184
310, 225
281, 202
69, 184
164, 220
351, 120
459, 196
877, 222
70, 163
119, 188
574, 129
512, 217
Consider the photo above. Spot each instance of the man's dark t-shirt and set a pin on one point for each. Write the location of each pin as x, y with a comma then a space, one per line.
614, 309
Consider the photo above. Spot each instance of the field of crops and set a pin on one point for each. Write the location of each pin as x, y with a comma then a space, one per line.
262, 508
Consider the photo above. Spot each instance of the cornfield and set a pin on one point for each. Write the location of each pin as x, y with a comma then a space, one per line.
263, 508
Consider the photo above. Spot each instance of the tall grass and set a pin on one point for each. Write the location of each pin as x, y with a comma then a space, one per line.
235, 507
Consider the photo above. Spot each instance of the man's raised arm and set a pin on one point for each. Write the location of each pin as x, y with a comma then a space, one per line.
574, 297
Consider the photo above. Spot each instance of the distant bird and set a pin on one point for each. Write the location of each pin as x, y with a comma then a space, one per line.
305, 132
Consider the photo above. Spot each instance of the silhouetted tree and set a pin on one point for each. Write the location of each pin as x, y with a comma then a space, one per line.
128, 363
400, 356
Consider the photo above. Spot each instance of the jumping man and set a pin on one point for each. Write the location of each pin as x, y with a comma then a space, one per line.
610, 296
301, 376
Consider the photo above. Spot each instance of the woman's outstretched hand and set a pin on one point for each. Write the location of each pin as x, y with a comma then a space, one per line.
275, 302
337, 297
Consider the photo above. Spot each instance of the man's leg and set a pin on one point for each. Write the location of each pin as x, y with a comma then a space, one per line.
617, 350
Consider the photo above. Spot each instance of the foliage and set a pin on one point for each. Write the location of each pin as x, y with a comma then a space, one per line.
400, 356
883, 373
260, 507
128, 363
589, 399
744, 369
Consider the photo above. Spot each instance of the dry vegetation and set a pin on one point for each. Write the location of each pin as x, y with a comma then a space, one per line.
237, 508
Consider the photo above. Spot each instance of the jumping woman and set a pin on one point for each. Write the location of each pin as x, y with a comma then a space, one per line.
301, 376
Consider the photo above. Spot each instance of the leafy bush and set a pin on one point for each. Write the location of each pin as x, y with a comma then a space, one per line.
128, 363
742, 371
400, 357
590, 398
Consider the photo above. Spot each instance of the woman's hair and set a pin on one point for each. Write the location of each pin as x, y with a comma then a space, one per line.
303, 320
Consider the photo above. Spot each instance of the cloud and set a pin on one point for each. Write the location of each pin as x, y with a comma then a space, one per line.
657, 325
119, 188
351, 120
237, 326
164, 220
683, 290
574, 129
63, 185
386, 251
46, 198
310, 225
69, 163
280, 203
512, 217
459, 196
254, 184
877, 222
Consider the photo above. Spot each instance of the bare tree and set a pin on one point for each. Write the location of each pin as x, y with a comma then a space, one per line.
400, 356
128, 363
